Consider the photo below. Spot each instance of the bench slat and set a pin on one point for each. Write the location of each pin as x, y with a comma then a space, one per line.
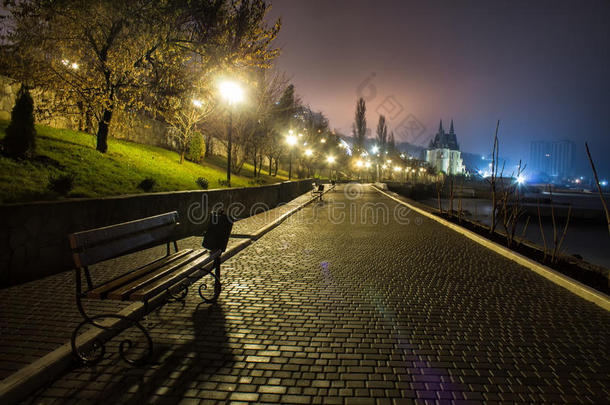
89, 238
122, 246
162, 284
102, 291
124, 291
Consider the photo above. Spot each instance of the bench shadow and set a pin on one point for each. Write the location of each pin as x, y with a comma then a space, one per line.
177, 369
187, 353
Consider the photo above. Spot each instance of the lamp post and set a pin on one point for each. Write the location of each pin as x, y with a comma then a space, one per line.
309, 154
330, 160
291, 140
232, 94
359, 165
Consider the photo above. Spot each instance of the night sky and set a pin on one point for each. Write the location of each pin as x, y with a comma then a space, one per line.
541, 67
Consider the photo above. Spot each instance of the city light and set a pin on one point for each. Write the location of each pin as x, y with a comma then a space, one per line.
359, 163
197, 103
384, 167
397, 168
330, 159
520, 179
323, 140
367, 165
231, 92
375, 149
291, 140
308, 152
604, 183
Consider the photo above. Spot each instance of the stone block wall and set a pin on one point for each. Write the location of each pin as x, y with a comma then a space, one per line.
33, 236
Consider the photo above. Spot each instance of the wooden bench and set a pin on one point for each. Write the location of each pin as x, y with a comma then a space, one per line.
162, 280
317, 190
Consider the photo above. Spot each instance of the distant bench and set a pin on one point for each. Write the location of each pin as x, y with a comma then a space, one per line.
317, 190
162, 280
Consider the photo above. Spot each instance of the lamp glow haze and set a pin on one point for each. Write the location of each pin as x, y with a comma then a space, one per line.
231, 92
291, 140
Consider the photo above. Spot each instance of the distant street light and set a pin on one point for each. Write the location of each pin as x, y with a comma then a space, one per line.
291, 140
359, 165
330, 160
232, 94
308, 152
197, 103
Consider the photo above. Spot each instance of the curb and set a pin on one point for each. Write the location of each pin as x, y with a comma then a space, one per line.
583, 291
28, 379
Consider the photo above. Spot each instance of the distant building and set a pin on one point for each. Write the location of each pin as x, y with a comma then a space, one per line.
444, 152
553, 158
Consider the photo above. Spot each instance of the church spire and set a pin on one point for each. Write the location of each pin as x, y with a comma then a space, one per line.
451, 131
440, 128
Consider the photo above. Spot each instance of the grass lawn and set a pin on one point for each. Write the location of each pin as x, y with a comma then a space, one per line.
119, 171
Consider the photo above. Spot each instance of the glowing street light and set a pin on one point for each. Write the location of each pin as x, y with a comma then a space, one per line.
520, 179
367, 165
232, 94
308, 152
359, 163
291, 140
323, 140
330, 160
197, 103
375, 149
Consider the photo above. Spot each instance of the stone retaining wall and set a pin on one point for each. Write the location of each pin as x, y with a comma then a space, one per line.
33, 236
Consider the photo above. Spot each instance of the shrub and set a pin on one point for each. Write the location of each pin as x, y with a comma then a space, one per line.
202, 182
223, 183
196, 148
147, 184
62, 184
20, 139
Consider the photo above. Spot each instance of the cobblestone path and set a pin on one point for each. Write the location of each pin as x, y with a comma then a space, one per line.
357, 301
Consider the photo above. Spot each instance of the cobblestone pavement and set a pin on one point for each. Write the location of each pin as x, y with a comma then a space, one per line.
358, 301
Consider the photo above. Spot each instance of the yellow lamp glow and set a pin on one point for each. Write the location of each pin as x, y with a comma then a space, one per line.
291, 140
231, 92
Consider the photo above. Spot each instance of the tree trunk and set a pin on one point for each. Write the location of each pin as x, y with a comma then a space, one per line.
102, 131
270, 165
277, 165
254, 161
182, 156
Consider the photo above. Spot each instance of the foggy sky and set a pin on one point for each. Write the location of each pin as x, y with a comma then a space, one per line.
541, 67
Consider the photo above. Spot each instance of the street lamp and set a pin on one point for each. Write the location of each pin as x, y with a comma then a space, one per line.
291, 140
232, 94
359, 165
330, 160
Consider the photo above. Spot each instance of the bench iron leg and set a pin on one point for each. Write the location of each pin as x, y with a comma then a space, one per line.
215, 274
94, 350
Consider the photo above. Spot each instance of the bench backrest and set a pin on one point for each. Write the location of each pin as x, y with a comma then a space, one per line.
96, 245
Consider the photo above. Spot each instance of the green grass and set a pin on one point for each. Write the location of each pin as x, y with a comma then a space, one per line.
117, 172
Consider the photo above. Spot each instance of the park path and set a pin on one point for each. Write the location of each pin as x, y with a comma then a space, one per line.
357, 300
